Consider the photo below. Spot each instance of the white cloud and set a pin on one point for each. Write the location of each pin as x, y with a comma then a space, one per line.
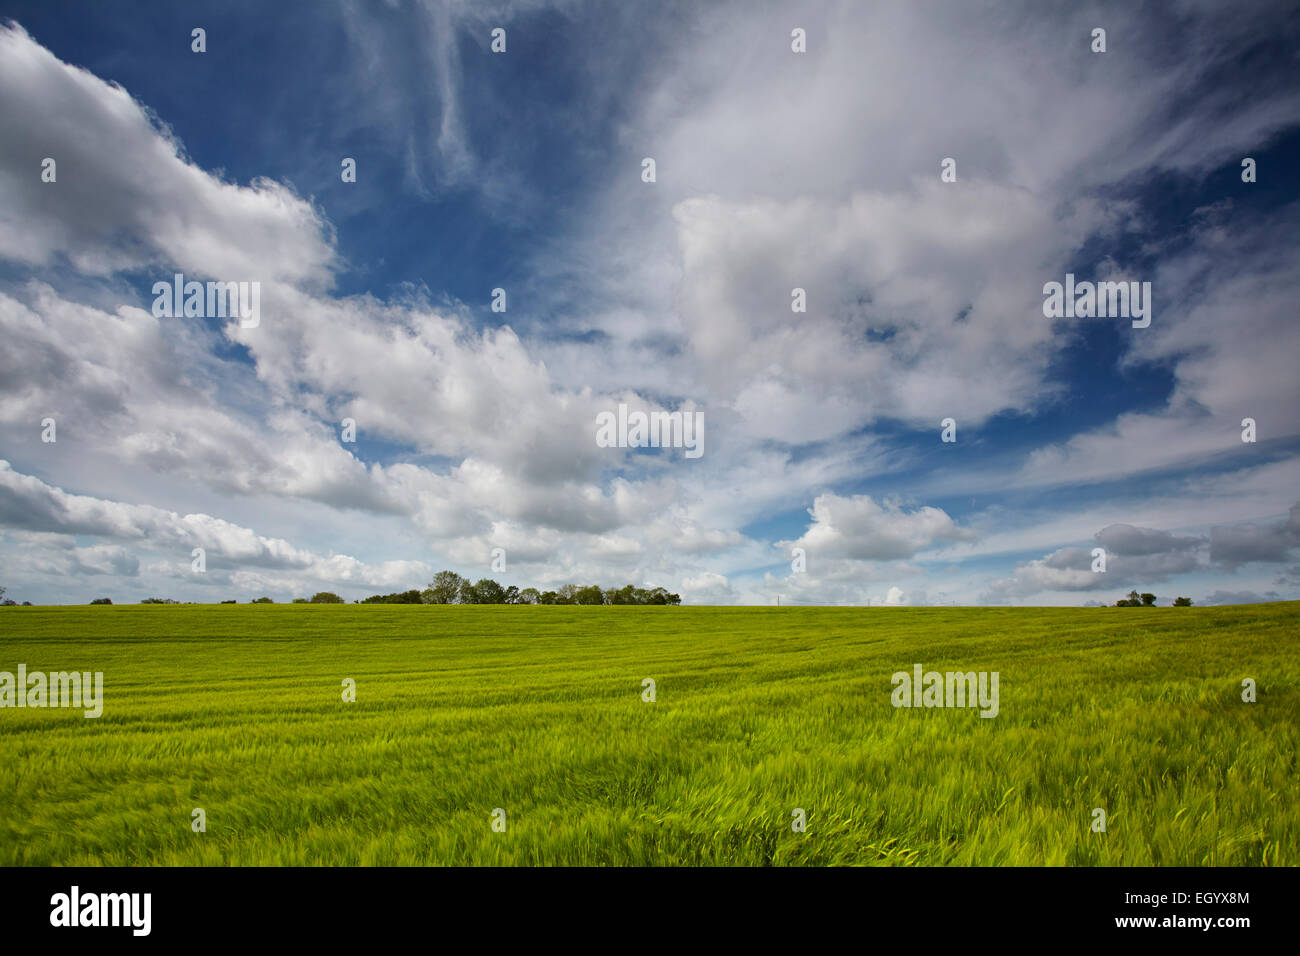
859, 528
126, 197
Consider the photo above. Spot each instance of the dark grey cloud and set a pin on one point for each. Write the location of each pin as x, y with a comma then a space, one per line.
1232, 546
1125, 539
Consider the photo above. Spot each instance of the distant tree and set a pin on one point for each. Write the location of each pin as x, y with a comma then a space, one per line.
1133, 600
102, 601
399, 597
2, 592
326, 597
1182, 602
623, 595
8, 602
512, 595
444, 589
27, 604
468, 593
528, 596
1148, 599
589, 595
261, 600
231, 601
565, 594
301, 601
548, 597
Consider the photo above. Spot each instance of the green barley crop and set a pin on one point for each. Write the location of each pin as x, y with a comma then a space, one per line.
758, 712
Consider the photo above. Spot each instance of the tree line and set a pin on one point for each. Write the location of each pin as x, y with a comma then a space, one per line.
448, 587
1147, 599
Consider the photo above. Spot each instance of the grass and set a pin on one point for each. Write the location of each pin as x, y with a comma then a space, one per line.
539, 711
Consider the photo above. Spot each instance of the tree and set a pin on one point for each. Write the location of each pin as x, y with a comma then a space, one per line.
623, 595
301, 601
548, 597
1133, 600
487, 591
529, 596
1182, 602
2, 592
261, 600
1148, 599
512, 595
565, 593
102, 601
661, 596
326, 597
589, 595
444, 589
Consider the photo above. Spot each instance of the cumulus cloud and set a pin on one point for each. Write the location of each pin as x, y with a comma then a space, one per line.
931, 344
859, 528
126, 197
707, 588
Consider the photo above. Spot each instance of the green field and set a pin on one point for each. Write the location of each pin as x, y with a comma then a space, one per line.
539, 711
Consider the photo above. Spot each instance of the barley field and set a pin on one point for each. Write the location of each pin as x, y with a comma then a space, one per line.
462, 712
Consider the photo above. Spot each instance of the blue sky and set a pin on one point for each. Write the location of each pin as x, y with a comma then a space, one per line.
775, 170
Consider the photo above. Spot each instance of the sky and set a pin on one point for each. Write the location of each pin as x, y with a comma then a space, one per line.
921, 171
